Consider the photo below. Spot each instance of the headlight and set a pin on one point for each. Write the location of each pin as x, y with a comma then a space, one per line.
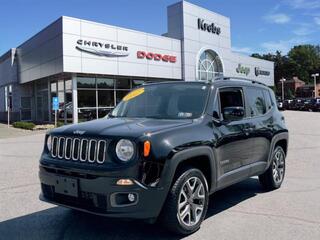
124, 150
49, 143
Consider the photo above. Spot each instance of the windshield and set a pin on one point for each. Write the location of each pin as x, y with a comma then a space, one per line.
164, 101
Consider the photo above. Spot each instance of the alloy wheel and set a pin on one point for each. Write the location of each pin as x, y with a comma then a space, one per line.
191, 202
278, 166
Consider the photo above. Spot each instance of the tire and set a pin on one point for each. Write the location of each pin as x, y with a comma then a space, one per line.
195, 205
273, 177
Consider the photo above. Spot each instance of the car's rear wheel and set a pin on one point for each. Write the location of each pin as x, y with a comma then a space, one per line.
273, 177
187, 202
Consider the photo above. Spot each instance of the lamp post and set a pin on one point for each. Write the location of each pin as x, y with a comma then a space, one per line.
315, 75
282, 80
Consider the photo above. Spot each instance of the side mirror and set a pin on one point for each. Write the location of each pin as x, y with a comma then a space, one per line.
233, 113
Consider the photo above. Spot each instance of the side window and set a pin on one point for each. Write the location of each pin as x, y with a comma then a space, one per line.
267, 99
231, 103
256, 103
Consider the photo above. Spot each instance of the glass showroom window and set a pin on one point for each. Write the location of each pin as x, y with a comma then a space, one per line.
62, 88
98, 96
209, 66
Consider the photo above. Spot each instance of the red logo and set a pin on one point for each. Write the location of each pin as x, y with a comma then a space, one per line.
156, 56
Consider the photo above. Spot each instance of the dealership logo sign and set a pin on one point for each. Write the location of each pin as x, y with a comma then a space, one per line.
209, 27
243, 70
102, 49
259, 72
156, 56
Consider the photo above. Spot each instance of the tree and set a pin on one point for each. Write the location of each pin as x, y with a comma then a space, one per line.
301, 61
306, 59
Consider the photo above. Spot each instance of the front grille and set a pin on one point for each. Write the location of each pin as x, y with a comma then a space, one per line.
79, 149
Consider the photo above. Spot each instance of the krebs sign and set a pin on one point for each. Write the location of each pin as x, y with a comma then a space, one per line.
156, 56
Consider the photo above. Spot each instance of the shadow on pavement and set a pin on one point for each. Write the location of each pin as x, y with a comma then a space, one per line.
60, 223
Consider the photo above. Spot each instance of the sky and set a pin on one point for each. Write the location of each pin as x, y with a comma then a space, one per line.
257, 26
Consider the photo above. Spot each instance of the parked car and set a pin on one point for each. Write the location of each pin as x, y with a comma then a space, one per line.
312, 105
280, 105
297, 104
164, 149
288, 104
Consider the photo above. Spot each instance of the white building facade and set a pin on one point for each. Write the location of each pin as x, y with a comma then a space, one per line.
90, 66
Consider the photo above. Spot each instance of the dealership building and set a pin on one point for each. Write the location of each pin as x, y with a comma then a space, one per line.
91, 66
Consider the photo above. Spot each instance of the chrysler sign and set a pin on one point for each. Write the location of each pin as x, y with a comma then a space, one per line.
102, 48
209, 27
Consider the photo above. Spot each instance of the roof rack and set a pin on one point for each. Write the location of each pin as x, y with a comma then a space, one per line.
242, 79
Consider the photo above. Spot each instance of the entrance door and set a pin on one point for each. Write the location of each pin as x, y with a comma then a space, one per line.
42, 113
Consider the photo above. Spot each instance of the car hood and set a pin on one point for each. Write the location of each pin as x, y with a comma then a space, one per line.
121, 127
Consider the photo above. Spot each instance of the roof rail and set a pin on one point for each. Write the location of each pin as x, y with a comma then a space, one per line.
242, 79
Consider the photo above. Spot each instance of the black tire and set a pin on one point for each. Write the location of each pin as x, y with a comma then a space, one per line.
267, 179
170, 212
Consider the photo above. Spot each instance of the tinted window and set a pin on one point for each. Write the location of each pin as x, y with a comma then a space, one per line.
231, 98
267, 99
105, 83
86, 82
86, 98
256, 103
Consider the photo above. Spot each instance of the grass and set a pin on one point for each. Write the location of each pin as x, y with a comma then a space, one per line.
24, 125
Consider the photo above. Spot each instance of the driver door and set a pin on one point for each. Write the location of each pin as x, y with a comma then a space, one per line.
233, 137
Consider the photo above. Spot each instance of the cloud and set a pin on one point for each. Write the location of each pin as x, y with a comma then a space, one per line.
283, 45
317, 20
303, 4
279, 18
245, 50
303, 31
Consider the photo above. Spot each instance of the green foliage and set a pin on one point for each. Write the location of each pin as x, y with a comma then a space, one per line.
301, 61
306, 60
24, 125
60, 123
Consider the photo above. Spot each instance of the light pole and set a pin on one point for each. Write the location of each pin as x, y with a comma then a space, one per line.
282, 80
315, 75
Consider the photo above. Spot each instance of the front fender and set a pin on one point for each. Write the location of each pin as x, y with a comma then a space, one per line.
172, 163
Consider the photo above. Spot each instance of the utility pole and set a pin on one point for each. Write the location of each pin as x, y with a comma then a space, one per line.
315, 75
282, 80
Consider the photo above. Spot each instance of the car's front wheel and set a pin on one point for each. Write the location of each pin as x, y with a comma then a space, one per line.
187, 202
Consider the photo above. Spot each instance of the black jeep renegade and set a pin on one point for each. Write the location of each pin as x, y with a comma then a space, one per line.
164, 149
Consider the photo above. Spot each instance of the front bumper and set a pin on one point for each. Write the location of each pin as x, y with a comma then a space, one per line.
100, 195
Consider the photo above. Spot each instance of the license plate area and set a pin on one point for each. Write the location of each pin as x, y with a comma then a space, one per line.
66, 186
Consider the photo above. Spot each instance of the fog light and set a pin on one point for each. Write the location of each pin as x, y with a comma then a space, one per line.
131, 197
124, 182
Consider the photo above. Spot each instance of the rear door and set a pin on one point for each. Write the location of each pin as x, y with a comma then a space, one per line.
259, 110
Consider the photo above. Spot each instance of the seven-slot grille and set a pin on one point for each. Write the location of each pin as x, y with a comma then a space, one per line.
79, 149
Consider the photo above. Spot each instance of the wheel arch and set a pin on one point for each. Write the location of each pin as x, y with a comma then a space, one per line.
201, 157
282, 140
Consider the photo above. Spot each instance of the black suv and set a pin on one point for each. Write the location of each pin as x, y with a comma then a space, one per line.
164, 149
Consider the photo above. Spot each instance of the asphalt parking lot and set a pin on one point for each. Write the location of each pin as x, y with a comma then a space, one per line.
243, 211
